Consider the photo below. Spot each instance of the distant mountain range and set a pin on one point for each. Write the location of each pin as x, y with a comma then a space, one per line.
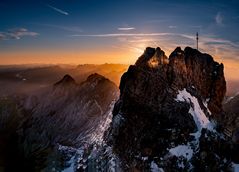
24, 79
63, 114
17, 78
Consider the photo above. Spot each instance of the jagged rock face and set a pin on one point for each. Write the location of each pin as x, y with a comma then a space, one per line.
147, 118
201, 71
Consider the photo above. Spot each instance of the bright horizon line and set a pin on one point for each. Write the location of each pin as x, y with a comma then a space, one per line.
21, 64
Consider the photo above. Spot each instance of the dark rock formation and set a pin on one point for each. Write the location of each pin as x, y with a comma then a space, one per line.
148, 119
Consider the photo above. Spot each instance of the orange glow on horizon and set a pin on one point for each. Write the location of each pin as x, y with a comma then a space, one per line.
231, 67
68, 58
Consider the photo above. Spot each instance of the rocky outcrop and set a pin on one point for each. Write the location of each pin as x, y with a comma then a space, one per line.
150, 118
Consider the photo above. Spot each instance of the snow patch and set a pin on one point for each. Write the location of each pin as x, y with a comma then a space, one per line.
205, 103
182, 150
145, 158
154, 167
98, 134
198, 115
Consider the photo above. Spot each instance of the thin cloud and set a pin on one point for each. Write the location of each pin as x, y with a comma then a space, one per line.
207, 43
122, 34
204, 38
172, 27
16, 33
58, 10
2, 36
126, 28
219, 18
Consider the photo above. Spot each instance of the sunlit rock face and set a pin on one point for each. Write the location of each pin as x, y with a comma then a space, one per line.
152, 58
164, 103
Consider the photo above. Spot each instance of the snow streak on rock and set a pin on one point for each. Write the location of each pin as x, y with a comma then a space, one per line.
94, 154
154, 167
195, 110
97, 135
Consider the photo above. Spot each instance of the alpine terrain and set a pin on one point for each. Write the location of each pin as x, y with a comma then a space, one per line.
169, 116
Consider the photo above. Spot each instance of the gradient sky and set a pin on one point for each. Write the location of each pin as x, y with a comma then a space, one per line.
115, 31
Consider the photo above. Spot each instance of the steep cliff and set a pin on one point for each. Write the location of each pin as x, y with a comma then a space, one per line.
167, 109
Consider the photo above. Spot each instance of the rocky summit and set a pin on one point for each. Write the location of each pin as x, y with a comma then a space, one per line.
169, 114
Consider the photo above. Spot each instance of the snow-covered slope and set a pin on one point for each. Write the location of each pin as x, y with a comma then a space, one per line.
195, 110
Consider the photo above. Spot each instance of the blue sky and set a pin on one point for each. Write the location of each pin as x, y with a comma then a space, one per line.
116, 26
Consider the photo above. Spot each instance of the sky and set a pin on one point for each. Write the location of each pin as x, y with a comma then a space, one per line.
116, 31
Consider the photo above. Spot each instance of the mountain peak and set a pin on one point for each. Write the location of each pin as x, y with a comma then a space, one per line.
66, 80
152, 58
163, 101
95, 77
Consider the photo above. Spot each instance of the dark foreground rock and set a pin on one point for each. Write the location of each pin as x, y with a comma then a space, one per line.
168, 106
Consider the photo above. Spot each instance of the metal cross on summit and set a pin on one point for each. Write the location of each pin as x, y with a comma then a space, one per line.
197, 39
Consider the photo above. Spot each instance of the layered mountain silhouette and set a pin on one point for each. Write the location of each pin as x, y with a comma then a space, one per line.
169, 115
66, 80
64, 114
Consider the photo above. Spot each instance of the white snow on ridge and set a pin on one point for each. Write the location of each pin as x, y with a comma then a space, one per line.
154, 167
182, 150
198, 115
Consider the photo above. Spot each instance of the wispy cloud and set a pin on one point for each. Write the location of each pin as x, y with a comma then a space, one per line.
172, 27
219, 18
2, 36
122, 34
212, 44
211, 39
57, 10
126, 28
16, 33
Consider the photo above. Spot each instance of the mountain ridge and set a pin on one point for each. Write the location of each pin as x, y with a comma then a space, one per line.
167, 104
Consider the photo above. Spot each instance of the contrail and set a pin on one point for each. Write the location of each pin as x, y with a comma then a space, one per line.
58, 10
